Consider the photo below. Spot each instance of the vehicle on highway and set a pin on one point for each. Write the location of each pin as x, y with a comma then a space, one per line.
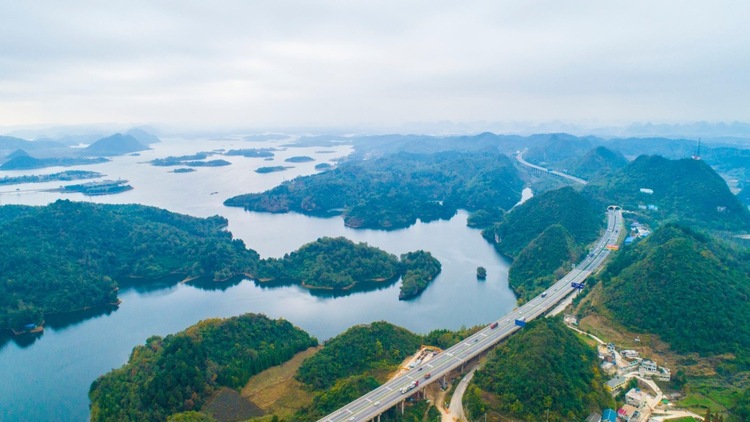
427, 376
493, 326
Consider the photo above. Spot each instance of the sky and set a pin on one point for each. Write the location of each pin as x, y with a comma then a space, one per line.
373, 64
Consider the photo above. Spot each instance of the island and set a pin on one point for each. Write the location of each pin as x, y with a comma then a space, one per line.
331, 263
252, 152
104, 187
183, 170
194, 160
26, 162
481, 273
323, 166
299, 159
419, 268
394, 191
67, 175
270, 169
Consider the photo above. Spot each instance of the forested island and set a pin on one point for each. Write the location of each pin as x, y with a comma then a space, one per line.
181, 371
394, 191
252, 152
104, 187
62, 176
193, 160
338, 263
419, 269
270, 169
299, 159
25, 162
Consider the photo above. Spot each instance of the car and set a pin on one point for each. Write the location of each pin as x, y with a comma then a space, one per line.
476, 340
427, 376
420, 369
377, 403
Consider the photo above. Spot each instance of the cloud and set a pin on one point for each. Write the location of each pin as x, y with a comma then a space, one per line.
336, 63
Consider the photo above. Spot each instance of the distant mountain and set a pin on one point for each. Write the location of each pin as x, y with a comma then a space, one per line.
17, 153
10, 143
683, 189
598, 162
143, 136
557, 147
117, 144
565, 207
22, 162
676, 269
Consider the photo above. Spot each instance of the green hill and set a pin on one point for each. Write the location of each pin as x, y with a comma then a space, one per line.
332, 263
687, 287
565, 207
543, 261
543, 368
682, 190
68, 255
180, 371
597, 163
374, 349
394, 191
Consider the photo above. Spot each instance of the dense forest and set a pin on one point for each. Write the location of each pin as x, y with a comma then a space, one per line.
685, 190
396, 190
180, 371
353, 363
69, 255
419, 269
339, 263
375, 349
331, 263
565, 207
544, 368
677, 268
543, 261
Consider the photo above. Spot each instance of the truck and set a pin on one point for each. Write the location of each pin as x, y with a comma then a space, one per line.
406, 388
544, 294
521, 322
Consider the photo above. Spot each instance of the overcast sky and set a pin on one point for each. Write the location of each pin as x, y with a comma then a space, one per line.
275, 64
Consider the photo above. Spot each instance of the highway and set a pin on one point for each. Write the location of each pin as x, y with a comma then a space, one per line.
520, 159
389, 394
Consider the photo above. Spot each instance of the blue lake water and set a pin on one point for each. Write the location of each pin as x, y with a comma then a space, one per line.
48, 378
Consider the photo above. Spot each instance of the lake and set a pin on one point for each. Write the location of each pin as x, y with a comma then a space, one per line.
48, 377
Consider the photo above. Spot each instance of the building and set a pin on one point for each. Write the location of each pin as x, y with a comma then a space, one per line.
628, 413
609, 415
635, 397
648, 366
647, 191
630, 354
615, 383
594, 417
